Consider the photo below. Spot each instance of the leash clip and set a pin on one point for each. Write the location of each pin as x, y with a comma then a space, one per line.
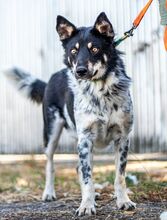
126, 35
130, 32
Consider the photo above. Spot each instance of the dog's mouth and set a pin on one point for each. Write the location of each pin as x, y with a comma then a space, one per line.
88, 76
85, 77
94, 74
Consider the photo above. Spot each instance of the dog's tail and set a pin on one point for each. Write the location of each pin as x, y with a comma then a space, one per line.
30, 86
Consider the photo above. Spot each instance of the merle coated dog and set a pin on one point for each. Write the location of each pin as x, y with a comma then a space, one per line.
90, 96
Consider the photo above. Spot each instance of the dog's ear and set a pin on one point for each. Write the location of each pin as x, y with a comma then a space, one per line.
64, 28
103, 25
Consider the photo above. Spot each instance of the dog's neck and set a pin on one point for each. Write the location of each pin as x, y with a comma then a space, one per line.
115, 84
99, 95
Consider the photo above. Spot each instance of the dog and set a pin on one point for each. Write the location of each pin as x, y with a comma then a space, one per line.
91, 97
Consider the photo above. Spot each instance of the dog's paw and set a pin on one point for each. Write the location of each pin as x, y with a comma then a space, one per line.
126, 205
86, 208
49, 195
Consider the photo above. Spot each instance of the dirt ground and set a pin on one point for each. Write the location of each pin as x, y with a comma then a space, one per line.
65, 209
21, 187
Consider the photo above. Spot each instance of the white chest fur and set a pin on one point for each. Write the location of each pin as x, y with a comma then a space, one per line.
100, 114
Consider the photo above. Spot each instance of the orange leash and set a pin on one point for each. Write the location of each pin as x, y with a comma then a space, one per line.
135, 24
165, 38
141, 14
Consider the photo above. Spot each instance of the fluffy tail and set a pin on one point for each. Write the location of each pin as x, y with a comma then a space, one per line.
30, 86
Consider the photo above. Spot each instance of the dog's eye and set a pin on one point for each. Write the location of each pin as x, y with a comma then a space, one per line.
95, 50
73, 51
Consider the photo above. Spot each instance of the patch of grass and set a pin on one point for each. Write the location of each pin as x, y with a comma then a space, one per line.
8, 181
110, 178
29, 177
150, 190
147, 188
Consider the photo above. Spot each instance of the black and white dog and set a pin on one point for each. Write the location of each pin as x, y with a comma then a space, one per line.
90, 96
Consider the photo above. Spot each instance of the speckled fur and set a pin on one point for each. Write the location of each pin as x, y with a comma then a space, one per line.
92, 98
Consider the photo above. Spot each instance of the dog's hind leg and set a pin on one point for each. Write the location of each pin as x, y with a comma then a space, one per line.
123, 201
56, 129
85, 176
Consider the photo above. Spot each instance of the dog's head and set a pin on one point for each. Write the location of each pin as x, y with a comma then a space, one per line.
89, 51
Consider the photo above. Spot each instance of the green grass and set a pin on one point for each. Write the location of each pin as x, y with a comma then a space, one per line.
12, 179
146, 189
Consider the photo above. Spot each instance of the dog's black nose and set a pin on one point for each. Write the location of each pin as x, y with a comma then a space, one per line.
81, 71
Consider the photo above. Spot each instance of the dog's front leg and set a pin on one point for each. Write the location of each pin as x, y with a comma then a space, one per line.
85, 177
123, 201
